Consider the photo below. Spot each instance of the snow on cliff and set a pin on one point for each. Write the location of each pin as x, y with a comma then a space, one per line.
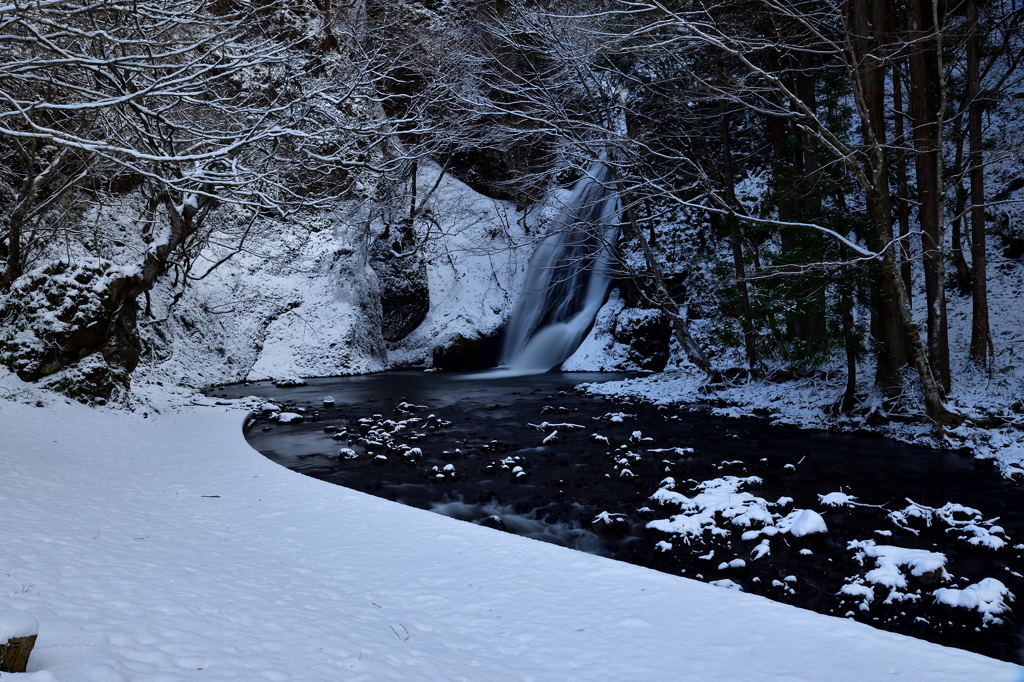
476, 261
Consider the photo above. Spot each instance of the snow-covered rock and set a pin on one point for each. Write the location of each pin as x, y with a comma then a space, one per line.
622, 339
803, 522
473, 273
988, 597
837, 499
894, 564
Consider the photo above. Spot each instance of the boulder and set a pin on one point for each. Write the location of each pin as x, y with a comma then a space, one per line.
92, 381
647, 334
404, 288
65, 311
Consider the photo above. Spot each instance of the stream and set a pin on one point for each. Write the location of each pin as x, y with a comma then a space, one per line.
918, 541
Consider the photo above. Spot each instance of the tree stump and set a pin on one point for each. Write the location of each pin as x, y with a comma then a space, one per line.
14, 654
18, 632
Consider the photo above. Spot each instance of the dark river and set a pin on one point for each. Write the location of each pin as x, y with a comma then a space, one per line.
480, 448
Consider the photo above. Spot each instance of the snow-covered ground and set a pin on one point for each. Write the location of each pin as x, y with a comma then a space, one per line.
161, 547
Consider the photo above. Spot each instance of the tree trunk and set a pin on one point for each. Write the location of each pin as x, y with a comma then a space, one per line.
736, 242
926, 85
15, 265
886, 317
902, 183
662, 298
15, 652
849, 399
981, 337
816, 329
963, 272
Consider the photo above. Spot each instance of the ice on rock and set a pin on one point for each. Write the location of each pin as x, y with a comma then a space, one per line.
289, 417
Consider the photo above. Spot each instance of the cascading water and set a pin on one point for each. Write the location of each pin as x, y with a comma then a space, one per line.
568, 278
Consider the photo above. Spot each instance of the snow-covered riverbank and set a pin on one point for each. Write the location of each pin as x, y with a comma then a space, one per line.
164, 548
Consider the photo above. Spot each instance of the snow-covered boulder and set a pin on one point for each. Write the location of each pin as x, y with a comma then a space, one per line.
988, 597
63, 311
803, 522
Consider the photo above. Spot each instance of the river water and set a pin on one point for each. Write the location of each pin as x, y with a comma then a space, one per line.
479, 448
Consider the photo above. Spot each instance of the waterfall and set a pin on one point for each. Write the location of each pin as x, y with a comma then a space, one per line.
568, 278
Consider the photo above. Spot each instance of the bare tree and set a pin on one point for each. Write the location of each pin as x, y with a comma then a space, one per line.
195, 106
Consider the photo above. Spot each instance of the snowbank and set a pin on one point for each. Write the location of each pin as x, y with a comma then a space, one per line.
166, 549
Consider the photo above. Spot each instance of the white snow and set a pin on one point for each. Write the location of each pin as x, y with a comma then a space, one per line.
987, 597
892, 561
717, 498
474, 269
763, 548
802, 522
837, 499
865, 593
137, 570
967, 523
15, 623
727, 584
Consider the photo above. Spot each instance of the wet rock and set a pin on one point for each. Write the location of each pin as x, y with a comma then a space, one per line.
493, 521
610, 526
464, 353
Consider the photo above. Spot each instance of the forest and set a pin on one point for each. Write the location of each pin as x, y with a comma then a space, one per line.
643, 227
808, 180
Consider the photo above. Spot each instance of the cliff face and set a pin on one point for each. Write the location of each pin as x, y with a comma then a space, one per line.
335, 299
